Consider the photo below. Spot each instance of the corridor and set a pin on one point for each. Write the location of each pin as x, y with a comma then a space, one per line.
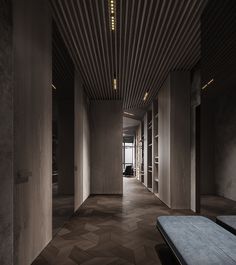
114, 113
112, 230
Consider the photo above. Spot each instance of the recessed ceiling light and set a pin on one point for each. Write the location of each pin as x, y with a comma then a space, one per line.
114, 84
112, 14
145, 95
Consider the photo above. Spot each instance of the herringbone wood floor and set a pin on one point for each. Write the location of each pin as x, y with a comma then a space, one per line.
113, 230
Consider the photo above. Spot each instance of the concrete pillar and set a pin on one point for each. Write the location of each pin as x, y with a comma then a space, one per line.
6, 135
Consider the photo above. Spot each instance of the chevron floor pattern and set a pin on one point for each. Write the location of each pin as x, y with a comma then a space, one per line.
113, 230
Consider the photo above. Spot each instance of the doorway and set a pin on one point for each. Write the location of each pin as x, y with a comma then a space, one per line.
63, 133
128, 156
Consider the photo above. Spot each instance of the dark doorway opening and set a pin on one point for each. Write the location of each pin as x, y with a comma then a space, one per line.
128, 155
63, 132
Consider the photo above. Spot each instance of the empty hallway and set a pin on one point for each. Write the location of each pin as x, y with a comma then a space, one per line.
118, 132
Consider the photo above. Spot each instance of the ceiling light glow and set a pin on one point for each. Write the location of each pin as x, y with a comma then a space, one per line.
207, 84
212, 80
112, 9
145, 95
114, 84
128, 113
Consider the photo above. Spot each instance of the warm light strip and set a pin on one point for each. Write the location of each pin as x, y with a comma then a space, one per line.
212, 80
145, 96
112, 7
128, 113
114, 84
206, 85
54, 87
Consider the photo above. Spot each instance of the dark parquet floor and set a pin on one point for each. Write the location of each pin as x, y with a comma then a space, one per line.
113, 230
62, 209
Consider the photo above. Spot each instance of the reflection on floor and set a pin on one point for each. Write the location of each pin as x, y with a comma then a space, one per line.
115, 230
63, 209
213, 206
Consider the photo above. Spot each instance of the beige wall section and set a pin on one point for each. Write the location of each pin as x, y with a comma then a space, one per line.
32, 129
86, 149
174, 140
82, 144
164, 142
106, 147
180, 140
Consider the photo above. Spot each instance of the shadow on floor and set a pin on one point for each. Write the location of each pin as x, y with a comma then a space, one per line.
165, 255
63, 209
114, 230
213, 206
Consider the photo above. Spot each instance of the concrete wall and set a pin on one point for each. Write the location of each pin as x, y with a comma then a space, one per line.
218, 144
106, 147
82, 144
207, 170
225, 144
180, 140
218, 111
6, 135
32, 129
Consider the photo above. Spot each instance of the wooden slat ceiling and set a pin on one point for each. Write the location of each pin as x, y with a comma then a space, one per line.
62, 64
151, 38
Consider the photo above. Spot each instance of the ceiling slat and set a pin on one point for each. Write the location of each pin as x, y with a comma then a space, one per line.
151, 38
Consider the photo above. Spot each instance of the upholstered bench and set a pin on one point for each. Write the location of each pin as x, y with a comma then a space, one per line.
196, 240
228, 222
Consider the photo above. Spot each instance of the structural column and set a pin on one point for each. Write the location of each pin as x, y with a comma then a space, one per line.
6, 134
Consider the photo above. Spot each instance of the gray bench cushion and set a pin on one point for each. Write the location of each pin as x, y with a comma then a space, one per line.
196, 240
228, 222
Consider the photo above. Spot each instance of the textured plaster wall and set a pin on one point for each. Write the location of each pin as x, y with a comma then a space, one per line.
106, 147
32, 129
6, 135
225, 144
